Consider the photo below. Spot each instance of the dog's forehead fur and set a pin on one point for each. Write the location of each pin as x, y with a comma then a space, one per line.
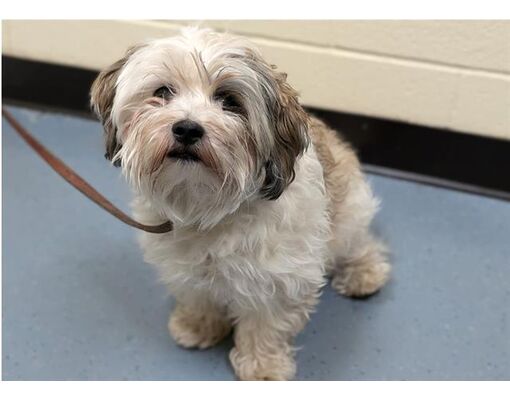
197, 60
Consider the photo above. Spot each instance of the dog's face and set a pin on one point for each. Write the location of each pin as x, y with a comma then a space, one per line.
200, 123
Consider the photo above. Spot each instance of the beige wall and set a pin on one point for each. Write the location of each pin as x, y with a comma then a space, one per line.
448, 74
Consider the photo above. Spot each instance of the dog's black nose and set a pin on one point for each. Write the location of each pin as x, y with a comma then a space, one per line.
187, 132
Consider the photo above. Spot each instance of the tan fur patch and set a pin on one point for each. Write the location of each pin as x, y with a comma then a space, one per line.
338, 161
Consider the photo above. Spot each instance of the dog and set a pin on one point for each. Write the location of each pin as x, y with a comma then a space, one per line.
266, 200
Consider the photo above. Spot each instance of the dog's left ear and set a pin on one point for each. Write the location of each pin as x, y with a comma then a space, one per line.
290, 129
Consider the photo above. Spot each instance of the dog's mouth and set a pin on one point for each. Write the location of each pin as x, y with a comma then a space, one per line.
183, 155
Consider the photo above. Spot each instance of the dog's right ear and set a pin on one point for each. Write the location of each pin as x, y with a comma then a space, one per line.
102, 95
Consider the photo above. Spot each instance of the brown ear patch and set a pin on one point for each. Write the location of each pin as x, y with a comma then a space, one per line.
102, 95
291, 138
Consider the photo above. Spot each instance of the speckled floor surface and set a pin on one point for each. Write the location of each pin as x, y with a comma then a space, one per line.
79, 303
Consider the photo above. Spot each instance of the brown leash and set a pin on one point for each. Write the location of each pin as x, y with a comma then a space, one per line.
78, 182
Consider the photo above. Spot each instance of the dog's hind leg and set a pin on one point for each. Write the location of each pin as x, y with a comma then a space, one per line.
359, 261
363, 271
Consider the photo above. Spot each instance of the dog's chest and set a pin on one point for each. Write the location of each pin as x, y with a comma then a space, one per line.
228, 264
207, 250
243, 261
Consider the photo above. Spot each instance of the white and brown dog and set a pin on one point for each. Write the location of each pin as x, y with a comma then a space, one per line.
266, 200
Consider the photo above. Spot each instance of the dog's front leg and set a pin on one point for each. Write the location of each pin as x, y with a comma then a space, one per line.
263, 341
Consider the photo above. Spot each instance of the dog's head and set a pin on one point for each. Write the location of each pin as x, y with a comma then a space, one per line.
200, 123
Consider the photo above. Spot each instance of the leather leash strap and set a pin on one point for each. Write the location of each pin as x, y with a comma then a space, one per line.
79, 183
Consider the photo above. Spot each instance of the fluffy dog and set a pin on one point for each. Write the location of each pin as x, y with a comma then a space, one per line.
266, 200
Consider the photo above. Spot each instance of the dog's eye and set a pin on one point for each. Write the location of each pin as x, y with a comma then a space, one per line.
229, 103
164, 92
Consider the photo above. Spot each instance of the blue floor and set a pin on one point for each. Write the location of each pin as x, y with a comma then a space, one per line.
79, 303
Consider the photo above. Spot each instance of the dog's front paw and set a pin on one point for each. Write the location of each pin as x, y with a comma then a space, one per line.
202, 330
361, 279
263, 367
